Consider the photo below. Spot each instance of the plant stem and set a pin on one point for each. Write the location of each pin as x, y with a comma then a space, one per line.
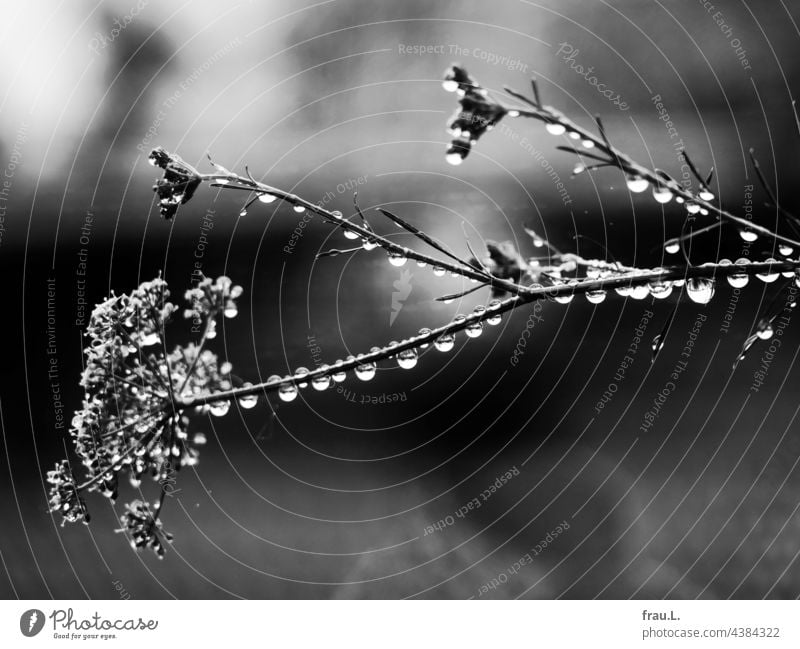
531, 294
550, 115
235, 181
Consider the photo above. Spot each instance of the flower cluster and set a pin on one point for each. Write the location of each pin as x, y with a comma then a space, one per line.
210, 297
64, 496
197, 372
144, 528
132, 420
178, 184
478, 113
504, 262
127, 402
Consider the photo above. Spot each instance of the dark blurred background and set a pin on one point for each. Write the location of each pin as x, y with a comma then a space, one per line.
332, 497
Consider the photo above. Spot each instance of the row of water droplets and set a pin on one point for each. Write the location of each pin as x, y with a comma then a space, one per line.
396, 258
662, 193
267, 198
699, 289
405, 358
636, 183
673, 246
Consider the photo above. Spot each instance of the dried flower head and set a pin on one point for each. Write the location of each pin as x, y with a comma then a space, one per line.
210, 297
144, 528
178, 184
503, 261
478, 113
64, 497
132, 420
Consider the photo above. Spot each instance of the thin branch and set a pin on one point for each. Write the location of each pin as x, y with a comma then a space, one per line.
238, 183
535, 89
686, 236
796, 116
768, 189
359, 212
609, 149
549, 115
600, 245
660, 338
474, 254
423, 237
535, 236
584, 154
455, 296
593, 168
692, 168
521, 97
333, 252
533, 294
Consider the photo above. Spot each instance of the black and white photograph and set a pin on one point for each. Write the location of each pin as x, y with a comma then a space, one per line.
350, 300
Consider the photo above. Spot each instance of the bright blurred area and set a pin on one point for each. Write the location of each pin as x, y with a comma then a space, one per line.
313, 94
